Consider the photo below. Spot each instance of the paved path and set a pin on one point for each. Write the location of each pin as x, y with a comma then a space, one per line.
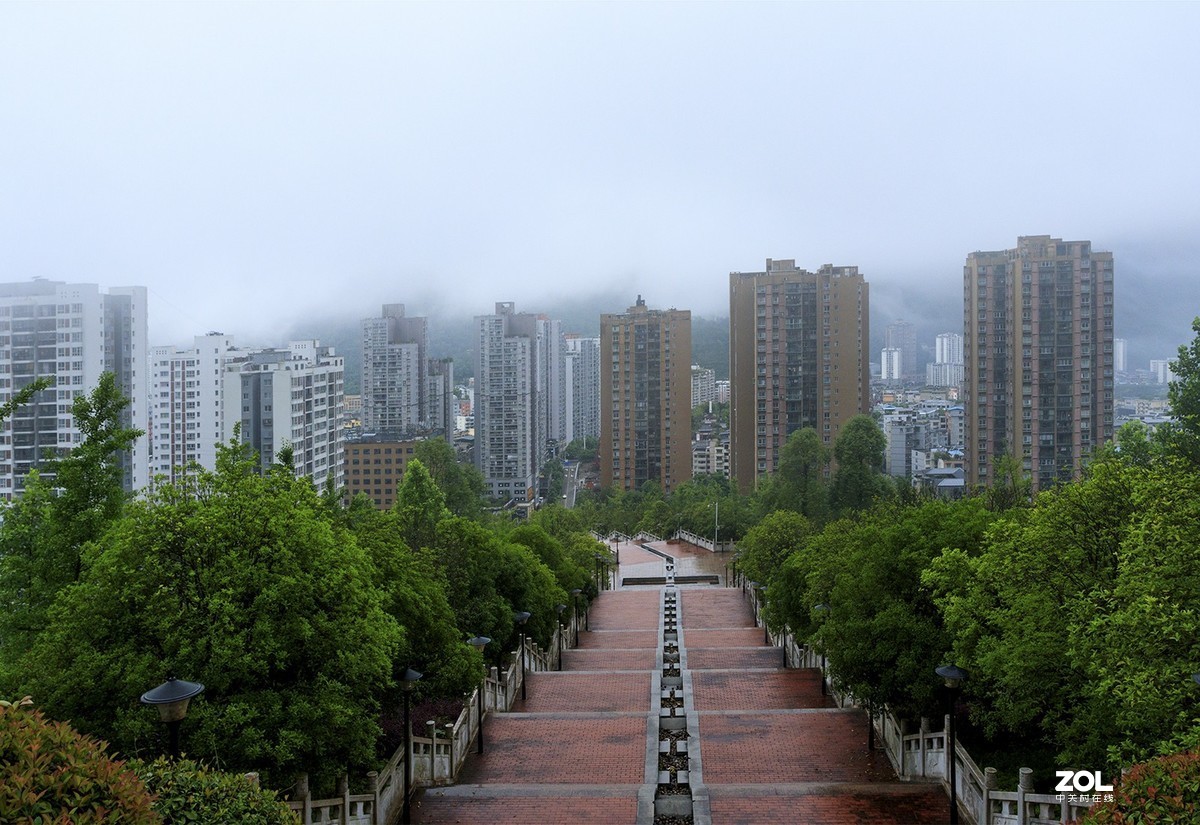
583, 748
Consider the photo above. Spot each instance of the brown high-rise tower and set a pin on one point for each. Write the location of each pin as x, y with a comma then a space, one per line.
1038, 353
798, 357
646, 397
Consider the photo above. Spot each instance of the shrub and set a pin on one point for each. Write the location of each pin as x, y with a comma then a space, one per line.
1165, 790
187, 791
50, 773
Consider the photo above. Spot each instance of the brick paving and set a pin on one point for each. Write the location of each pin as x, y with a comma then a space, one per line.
757, 690
893, 804
731, 637
599, 690
560, 749
772, 748
617, 640
639, 659
450, 806
733, 657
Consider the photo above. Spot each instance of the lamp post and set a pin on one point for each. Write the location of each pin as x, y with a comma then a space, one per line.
171, 698
575, 603
597, 557
617, 550
407, 682
954, 675
520, 618
559, 608
479, 643
822, 610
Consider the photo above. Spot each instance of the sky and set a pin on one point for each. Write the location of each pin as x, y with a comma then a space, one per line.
256, 165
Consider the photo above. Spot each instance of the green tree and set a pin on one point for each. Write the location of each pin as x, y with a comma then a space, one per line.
44, 534
462, 484
883, 632
420, 506
239, 581
768, 544
1017, 609
799, 482
1137, 654
568, 573
1182, 435
414, 592
858, 480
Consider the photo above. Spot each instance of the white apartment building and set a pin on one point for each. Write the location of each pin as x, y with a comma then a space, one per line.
947, 370
582, 380
187, 403
1120, 354
71, 333
704, 385
1160, 369
289, 397
890, 364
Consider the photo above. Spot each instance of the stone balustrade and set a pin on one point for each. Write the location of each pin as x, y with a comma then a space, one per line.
921, 757
436, 759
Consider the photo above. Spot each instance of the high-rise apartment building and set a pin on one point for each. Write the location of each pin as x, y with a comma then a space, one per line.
71, 334
798, 357
704, 385
1120, 354
646, 397
890, 365
902, 336
518, 373
187, 403
947, 368
582, 379
1038, 385
289, 398
394, 372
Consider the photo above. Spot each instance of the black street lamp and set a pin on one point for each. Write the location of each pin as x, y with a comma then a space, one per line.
598, 559
559, 608
954, 675
479, 643
617, 550
520, 618
822, 610
407, 682
171, 698
575, 600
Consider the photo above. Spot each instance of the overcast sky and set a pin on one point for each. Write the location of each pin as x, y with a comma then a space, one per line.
255, 164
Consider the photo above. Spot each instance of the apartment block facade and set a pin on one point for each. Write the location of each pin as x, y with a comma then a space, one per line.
518, 395
289, 397
70, 333
582, 380
646, 397
798, 357
1038, 352
188, 403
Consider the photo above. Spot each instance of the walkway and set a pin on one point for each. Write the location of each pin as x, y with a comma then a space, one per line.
761, 742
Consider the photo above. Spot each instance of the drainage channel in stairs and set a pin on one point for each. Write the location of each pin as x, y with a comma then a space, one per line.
673, 797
